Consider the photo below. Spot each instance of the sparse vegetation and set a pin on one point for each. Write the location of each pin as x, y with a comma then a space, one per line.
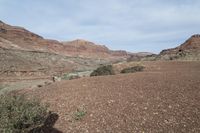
103, 70
79, 114
70, 76
20, 115
133, 69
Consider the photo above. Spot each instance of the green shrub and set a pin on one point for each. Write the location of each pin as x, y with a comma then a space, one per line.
20, 115
103, 70
133, 69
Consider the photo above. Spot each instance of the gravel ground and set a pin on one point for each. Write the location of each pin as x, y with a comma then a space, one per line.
163, 98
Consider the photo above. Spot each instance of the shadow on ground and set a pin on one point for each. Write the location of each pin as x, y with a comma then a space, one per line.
48, 125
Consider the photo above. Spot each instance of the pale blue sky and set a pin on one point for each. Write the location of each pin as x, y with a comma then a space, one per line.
132, 25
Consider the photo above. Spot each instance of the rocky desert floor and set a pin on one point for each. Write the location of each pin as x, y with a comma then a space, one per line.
163, 98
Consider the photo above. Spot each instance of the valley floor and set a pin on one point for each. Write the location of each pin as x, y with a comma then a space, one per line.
163, 98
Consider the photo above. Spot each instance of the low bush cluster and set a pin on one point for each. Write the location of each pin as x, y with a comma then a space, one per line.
133, 69
20, 115
103, 70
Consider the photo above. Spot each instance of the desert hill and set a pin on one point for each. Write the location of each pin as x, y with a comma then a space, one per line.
13, 37
89, 49
24, 54
189, 50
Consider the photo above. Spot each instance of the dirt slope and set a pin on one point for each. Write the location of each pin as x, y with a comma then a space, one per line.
163, 98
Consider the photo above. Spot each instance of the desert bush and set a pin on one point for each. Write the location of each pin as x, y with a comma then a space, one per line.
70, 76
133, 69
20, 115
103, 70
